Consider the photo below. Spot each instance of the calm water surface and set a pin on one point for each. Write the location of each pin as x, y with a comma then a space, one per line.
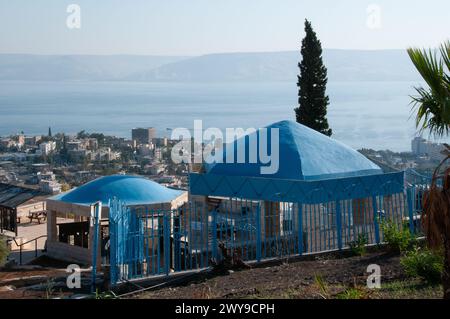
362, 114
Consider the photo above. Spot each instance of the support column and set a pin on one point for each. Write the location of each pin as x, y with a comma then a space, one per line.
300, 228
410, 197
339, 223
375, 219
52, 230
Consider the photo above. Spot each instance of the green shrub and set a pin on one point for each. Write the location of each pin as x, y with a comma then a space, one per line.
358, 247
423, 263
399, 239
4, 250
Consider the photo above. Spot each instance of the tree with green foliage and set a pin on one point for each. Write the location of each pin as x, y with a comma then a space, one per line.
312, 82
101, 138
82, 134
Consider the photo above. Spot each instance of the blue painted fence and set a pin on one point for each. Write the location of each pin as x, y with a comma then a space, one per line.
149, 241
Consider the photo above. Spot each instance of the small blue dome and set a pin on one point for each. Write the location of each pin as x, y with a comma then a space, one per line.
133, 190
304, 154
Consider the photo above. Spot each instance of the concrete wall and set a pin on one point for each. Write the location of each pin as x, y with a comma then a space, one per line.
68, 252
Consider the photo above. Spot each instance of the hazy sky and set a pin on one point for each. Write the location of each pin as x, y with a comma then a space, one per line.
193, 27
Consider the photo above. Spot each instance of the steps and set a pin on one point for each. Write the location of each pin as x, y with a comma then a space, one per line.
27, 255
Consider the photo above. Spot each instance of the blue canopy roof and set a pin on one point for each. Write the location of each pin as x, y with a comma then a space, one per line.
133, 190
304, 154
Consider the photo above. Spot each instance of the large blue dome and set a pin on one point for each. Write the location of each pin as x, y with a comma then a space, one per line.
304, 154
133, 190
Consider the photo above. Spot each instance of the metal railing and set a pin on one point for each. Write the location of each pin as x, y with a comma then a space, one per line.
27, 242
147, 241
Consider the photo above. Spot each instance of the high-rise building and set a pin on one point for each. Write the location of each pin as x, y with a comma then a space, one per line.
418, 146
421, 146
143, 135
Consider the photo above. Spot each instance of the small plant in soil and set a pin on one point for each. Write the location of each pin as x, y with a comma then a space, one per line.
49, 288
322, 285
358, 247
353, 293
231, 260
104, 295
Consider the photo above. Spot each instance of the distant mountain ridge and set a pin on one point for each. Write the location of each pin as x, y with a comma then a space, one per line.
343, 65
77, 67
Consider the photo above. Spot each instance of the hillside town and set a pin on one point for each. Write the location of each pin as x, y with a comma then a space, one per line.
423, 158
57, 163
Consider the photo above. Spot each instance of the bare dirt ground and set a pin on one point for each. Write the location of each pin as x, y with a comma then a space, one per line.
41, 279
331, 276
314, 277
15, 284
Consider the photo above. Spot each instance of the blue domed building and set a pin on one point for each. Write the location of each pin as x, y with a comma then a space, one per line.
68, 229
134, 190
303, 154
286, 189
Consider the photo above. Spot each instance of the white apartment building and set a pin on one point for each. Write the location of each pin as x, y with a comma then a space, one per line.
50, 186
47, 147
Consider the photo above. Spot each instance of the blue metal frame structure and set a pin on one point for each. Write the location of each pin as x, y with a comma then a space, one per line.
255, 218
95, 222
308, 192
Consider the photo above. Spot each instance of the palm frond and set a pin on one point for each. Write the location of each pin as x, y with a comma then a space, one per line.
429, 66
445, 52
432, 104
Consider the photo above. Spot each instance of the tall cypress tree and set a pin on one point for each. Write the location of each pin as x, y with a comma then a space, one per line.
312, 82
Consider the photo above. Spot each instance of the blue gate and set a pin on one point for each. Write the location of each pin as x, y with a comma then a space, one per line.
126, 242
151, 241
